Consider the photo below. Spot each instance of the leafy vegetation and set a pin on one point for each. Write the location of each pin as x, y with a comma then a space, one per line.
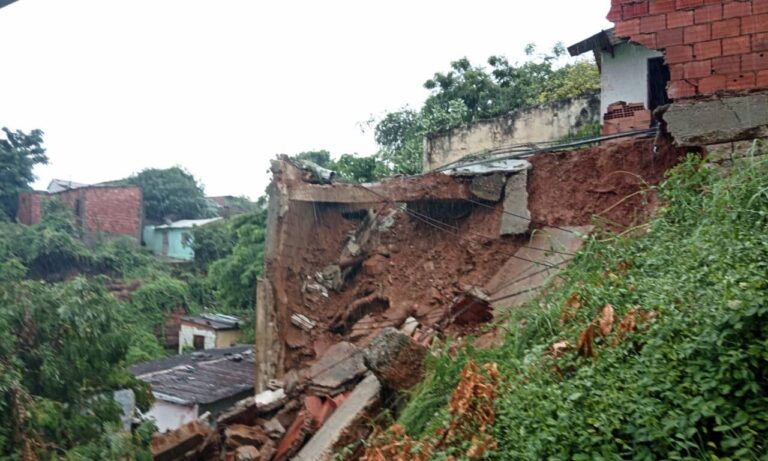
654, 347
171, 193
19, 153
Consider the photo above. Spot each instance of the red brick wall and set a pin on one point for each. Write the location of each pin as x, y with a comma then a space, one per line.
109, 210
30, 207
623, 117
113, 210
709, 45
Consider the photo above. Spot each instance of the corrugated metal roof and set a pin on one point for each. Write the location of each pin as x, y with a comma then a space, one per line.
60, 185
215, 321
187, 223
200, 377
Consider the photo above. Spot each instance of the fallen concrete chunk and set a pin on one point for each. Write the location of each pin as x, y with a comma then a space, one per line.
239, 435
396, 360
339, 365
341, 426
303, 322
247, 453
270, 400
177, 444
274, 429
488, 187
517, 217
409, 326
330, 277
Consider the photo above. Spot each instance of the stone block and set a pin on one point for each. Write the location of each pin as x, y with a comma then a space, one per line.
517, 218
488, 187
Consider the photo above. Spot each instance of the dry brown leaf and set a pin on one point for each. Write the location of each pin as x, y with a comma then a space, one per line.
570, 308
586, 342
607, 317
559, 348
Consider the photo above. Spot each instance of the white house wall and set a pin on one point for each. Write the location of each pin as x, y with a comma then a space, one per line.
169, 416
624, 76
188, 332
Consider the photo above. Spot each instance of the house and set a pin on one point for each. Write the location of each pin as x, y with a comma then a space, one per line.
99, 209
173, 241
717, 53
190, 385
209, 331
633, 81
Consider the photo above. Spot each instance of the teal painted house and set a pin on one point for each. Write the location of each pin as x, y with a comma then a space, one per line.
173, 241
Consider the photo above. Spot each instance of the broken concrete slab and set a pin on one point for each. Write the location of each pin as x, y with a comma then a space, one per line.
247, 453
517, 218
270, 400
718, 120
395, 359
336, 430
177, 444
520, 279
488, 187
341, 364
238, 435
482, 167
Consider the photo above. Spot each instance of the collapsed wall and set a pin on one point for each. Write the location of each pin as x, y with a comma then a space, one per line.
344, 261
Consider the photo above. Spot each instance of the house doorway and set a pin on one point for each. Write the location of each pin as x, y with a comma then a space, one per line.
658, 77
198, 342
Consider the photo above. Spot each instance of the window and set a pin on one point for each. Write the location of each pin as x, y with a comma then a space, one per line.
198, 342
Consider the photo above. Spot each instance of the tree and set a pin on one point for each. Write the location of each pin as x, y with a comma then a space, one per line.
171, 193
468, 93
19, 153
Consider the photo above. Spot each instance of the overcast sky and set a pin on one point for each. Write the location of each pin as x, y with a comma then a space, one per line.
220, 87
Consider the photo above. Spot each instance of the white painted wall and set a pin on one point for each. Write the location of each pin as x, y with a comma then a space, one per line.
169, 416
187, 332
624, 75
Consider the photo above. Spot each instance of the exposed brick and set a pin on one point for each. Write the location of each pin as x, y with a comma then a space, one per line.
662, 6
743, 81
759, 6
737, 9
709, 13
707, 50
696, 34
754, 24
760, 42
762, 79
628, 28
647, 40
681, 89
698, 69
712, 84
669, 37
677, 71
726, 28
634, 10
681, 4
727, 66
754, 61
736, 45
651, 24
680, 19
678, 54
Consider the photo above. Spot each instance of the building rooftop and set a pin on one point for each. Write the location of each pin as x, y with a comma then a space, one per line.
199, 377
604, 40
60, 185
187, 223
215, 321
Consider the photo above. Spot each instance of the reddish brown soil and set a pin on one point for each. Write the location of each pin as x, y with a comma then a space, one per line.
603, 183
